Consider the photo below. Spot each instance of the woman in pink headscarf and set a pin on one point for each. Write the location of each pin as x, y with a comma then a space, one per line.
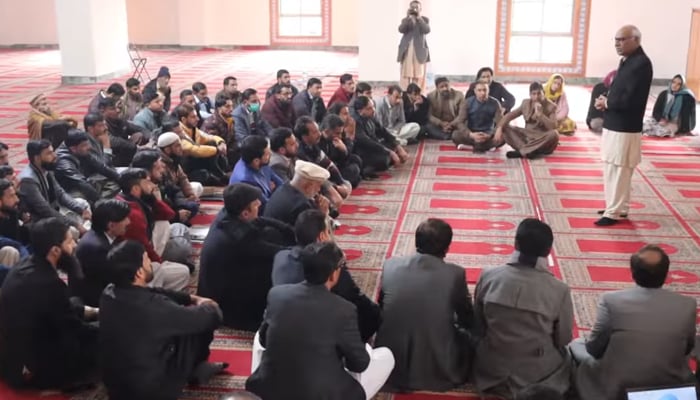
594, 119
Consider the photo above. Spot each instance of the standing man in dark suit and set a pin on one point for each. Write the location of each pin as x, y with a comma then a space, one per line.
427, 314
413, 48
312, 339
623, 120
109, 222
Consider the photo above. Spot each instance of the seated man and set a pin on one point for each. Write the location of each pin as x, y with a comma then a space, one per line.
44, 123
132, 101
377, 148
220, 123
361, 89
426, 314
284, 147
642, 336
390, 114
82, 175
300, 194
309, 101
11, 247
109, 222
4, 154
230, 90
311, 335
151, 115
476, 123
236, 258
539, 136
524, 317
247, 120
496, 89
254, 167
312, 227
178, 192
594, 118
416, 107
161, 84
40, 193
445, 103
202, 101
344, 92
152, 341
100, 144
146, 209
277, 110
338, 148
115, 91
205, 154
283, 79
45, 339
125, 136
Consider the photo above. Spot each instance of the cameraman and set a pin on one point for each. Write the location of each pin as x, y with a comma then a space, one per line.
413, 49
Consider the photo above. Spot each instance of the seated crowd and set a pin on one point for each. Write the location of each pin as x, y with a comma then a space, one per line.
101, 228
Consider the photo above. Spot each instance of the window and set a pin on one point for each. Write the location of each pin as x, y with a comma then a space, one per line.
300, 22
542, 36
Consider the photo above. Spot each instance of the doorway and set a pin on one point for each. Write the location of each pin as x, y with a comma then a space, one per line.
693, 67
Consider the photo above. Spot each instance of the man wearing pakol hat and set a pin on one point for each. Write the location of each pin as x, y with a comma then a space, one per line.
300, 194
44, 123
181, 194
160, 84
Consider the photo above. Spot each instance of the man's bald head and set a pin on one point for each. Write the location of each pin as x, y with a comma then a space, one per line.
627, 40
650, 266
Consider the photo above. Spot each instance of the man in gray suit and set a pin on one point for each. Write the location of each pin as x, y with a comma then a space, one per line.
427, 312
643, 336
524, 316
413, 48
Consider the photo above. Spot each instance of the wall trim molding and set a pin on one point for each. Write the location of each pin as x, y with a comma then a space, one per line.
345, 49
82, 80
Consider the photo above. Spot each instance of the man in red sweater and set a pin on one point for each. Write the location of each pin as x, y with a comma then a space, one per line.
344, 93
147, 207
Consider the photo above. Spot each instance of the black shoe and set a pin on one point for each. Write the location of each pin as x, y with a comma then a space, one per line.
605, 221
514, 154
622, 215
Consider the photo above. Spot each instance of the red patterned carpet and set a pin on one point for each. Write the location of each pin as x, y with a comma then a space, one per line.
482, 196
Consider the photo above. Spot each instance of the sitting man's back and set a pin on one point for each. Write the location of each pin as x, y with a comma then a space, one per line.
642, 336
427, 311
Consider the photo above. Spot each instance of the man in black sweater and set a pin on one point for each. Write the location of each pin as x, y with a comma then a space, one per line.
624, 107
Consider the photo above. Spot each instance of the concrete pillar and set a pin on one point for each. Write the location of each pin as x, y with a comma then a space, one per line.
93, 39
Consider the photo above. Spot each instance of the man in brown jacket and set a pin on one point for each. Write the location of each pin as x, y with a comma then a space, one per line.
539, 136
220, 123
445, 103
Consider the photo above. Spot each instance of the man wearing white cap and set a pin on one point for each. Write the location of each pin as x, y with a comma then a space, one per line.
183, 194
300, 194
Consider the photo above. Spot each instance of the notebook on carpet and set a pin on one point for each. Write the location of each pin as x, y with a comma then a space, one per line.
681, 392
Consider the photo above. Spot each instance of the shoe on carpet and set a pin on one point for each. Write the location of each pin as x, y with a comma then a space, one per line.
622, 215
605, 221
463, 147
514, 154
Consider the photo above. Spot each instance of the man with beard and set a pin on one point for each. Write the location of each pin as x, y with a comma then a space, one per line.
146, 208
284, 148
132, 102
177, 189
283, 79
230, 90
100, 145
44, 123
205, 154
309, 101
151, 115
124, 136
45, 338
220, 123
40, 193
254, 167
339, 148
160, 85
277, 111
476, 123
137, 323
444, 109
80, 174
11, 250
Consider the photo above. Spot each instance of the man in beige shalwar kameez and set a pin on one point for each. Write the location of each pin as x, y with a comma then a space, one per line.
413, 48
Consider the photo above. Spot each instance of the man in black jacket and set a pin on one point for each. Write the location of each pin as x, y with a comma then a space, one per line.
124, 136
160, 84
236, 258
312, 227
339, 149
624, 107
416, 107
312, 339
109, 222
309, 101
152, 341
45, 339
82, 175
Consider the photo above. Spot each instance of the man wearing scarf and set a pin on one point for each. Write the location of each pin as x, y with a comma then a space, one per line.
524, 320
44, 123
554, 92
674, 111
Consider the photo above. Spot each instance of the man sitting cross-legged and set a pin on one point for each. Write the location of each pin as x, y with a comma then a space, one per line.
476, 123
151, 116
180, 194
309, 101
344, 92
338, 147
236, 259
152, 341
302, 193
539, 136
312, 227
311, 335
254, 167
445, 103
220, 123
46, 340
642, 336
283, 79
45, 123
390, 113
277, 110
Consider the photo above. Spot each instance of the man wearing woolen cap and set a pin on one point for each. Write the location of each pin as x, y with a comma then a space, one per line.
300, 194
181, 194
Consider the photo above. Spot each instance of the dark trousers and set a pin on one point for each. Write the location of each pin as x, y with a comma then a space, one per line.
207, 171
373, 162
436, 132
352, 170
